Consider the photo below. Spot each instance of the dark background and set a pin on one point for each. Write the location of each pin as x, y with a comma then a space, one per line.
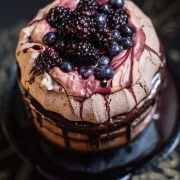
14, 14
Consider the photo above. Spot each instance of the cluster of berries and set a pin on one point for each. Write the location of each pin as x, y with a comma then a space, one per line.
87, 38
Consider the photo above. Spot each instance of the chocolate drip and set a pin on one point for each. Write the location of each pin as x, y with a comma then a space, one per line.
94, 140
107, 105
81, 109
129, 130
39, 119
112, 124
66, 138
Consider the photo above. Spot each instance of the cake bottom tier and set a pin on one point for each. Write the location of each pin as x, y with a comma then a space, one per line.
93, 142
87, 137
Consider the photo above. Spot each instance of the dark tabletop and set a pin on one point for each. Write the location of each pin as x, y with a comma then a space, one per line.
14, 14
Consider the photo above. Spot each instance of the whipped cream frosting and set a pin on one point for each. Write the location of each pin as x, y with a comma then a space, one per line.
85, 100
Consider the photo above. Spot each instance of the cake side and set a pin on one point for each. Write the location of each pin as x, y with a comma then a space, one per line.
90, 73
89, 137
85, 137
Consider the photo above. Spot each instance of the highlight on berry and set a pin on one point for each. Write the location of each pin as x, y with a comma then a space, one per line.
86, 39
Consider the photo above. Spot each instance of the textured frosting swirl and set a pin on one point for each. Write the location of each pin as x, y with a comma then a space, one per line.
85, 100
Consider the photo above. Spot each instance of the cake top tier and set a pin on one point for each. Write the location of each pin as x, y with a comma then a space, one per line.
84, 48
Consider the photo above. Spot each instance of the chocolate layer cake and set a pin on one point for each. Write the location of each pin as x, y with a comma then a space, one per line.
90, 72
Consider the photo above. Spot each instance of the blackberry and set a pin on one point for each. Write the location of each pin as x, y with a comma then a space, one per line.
118, 19
103, 37
46, 61
60, 46
63, 28
40, 65
82, 27
86, 7
57, 14
82, 54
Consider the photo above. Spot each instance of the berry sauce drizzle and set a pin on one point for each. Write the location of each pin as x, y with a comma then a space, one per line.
106, 99
81, 109
152, 50
133, 95
37, 48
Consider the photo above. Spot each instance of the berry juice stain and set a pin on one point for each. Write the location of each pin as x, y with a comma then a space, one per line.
81, 109
37, 47
107, 102
152, 50
39, 119
133, 94
25, 50
18, 53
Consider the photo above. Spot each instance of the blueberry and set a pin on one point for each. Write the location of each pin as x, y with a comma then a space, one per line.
116, 4
126, 43
104, 72
128, 30
104, 83
101, 20
104, 60
66, 67
60, 46
105, 8
114, 49
116, 35
50, 39
86, 71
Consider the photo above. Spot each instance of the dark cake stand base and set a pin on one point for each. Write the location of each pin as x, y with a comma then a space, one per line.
154, 144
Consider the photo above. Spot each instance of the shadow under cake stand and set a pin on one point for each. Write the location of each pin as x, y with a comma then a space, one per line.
150, 147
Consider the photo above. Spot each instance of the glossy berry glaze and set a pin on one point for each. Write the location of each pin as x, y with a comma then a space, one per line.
83, 36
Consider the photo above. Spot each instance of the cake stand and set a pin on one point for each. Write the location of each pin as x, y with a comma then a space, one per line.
150, 147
